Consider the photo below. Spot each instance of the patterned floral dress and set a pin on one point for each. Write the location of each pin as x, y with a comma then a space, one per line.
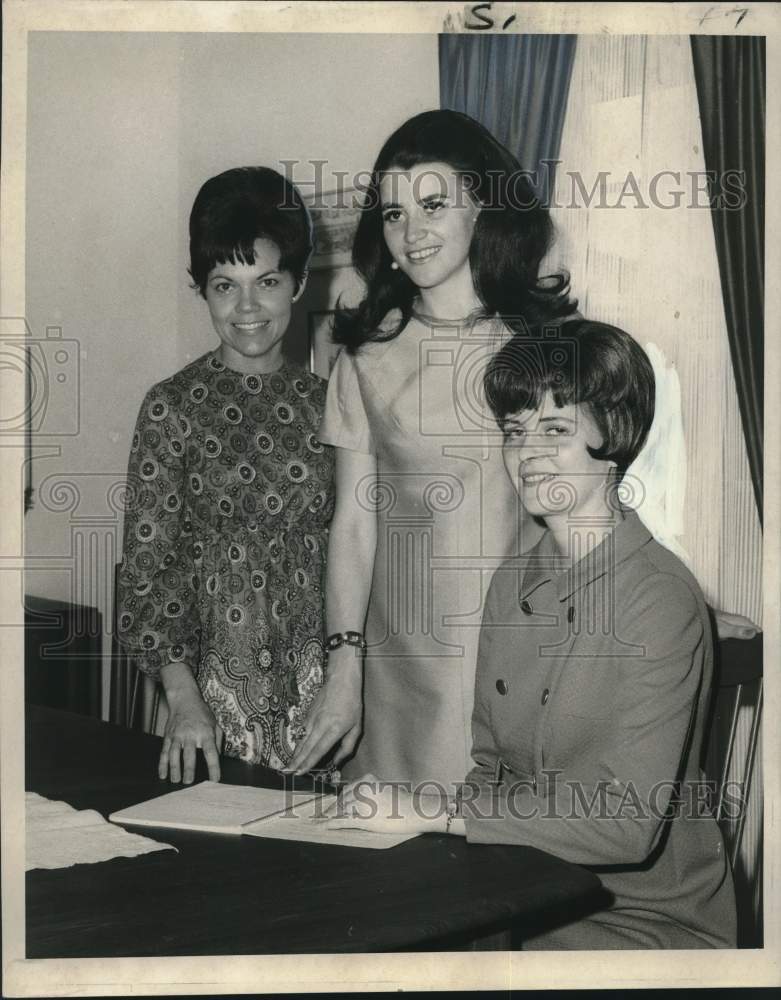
229, 499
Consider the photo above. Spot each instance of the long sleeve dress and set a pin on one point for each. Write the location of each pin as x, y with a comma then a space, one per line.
447, 515
230, 494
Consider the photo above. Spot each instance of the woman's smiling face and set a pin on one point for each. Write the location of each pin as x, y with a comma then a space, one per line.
546, 457
250, 309
428, 222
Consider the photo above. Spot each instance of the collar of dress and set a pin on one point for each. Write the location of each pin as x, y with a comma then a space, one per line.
543, 562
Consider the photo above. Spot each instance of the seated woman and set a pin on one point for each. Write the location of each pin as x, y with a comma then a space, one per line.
594, 666
221, 584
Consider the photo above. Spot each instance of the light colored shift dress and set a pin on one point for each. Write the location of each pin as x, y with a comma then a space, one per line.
447, 517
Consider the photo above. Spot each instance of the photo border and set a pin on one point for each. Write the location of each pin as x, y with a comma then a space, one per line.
234, 974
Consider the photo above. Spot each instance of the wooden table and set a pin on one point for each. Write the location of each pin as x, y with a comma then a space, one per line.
245, 895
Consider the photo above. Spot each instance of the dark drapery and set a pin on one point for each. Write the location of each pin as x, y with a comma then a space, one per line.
515, 85
730, 76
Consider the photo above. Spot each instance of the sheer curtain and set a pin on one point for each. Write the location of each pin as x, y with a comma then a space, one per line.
652, 270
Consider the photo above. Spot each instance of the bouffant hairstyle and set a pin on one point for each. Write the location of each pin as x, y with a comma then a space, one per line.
239, 206
511, 236
594, 364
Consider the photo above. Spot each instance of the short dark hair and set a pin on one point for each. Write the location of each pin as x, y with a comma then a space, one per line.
511, 236
239, 206
580, 361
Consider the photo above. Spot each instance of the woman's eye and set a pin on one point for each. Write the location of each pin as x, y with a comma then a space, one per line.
433, 205
223, 287
555, 429
514, 433
269, 282
392, 215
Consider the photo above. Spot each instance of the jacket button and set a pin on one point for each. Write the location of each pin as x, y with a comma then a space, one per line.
501, 686
526, 607
570, 614
545, 696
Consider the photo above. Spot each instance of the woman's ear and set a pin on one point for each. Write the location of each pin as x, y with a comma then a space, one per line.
301, 286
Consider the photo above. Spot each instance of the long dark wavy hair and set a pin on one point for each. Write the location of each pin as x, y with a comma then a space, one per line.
512, 234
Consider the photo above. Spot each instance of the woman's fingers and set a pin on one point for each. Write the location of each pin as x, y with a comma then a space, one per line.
322, 733
180, 751
347, 745
175, 762
732, 626
335, 718
162, 765
189, 761
212, 761
314, 748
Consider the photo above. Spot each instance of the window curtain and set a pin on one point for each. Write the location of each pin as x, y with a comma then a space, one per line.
651, 267
642, 255
730, 76
516, 86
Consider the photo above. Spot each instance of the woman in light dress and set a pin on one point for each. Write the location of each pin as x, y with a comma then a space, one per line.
449, 246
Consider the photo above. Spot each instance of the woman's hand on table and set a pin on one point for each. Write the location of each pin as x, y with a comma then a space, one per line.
334, 717
385, 807
190, 727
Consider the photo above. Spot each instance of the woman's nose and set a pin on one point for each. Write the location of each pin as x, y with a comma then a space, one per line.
534, 444
249, 299
415, 229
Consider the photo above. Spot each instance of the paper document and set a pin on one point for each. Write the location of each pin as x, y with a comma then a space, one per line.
58, 836
211, 807
300, 822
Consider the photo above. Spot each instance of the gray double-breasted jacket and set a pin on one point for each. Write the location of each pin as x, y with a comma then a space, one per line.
591, 694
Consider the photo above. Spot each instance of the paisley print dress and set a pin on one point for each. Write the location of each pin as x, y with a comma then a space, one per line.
229, 499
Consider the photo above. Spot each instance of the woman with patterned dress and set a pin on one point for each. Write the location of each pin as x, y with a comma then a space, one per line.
230, 496
449, 246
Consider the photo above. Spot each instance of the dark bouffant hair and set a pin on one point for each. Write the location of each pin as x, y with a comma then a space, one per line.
239, 206
594, 364
511, 236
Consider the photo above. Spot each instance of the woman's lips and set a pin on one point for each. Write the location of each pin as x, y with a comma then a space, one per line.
418, 256
251, 327
533, 478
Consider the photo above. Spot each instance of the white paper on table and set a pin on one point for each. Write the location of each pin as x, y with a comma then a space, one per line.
58, 836
299, 823
210, 807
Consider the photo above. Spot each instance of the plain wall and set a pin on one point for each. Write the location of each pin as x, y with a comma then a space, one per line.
123, 128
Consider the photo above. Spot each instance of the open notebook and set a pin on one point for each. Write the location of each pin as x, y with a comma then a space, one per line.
214, 807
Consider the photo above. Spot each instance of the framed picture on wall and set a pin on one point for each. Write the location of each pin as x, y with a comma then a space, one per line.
335, 217
322, 350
